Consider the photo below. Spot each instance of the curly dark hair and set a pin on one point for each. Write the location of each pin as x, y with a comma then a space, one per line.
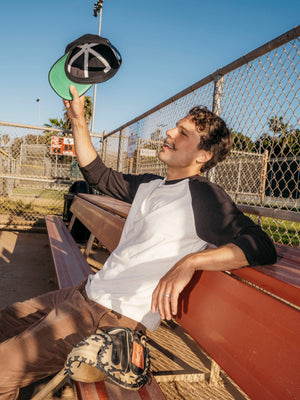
216, 137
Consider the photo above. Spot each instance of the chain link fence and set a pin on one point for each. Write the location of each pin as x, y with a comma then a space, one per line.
257, 95
37, 167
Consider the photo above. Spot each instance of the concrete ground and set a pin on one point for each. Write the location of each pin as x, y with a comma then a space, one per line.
26, 266
183, 369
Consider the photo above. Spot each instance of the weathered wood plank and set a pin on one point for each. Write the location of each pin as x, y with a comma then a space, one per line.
251, 335
105, 226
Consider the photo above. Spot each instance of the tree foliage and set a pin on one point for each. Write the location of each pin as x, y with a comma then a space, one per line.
284, 140
242, 142
65, 123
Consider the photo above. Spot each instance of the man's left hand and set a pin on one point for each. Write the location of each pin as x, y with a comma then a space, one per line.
165, 295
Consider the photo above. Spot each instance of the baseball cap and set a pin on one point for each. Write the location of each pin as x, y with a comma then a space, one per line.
87, 60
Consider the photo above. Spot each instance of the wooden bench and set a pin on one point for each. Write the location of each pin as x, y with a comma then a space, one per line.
71, 268
247, 320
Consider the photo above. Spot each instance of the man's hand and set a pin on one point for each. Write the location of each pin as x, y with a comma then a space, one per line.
84, 149
75, 107
165, 295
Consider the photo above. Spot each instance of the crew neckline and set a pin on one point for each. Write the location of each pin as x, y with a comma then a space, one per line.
174, 181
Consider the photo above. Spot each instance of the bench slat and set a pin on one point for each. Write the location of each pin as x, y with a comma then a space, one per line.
106, 390
244, 329
70, 265
117, 206
271, 283
106, 227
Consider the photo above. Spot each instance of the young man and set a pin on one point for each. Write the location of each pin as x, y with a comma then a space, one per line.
163, 243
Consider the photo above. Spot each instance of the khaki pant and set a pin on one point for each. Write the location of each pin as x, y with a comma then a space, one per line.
37, 335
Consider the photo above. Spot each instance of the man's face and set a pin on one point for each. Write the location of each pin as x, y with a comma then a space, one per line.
180, 150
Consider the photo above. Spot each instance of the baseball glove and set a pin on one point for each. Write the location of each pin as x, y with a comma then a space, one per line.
118, 353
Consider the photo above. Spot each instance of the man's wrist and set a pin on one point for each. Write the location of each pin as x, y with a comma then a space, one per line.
78, 122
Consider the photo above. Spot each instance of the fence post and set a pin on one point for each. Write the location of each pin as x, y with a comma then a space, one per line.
218, 93
264, 178
216, 107
239, 181
101, 144
137, 166
120, 151
103, 150
263, 183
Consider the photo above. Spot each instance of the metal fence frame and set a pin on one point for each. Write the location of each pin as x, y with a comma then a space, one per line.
217, 78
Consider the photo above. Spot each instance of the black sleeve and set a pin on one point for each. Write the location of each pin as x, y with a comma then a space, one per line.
218, 221
113, 183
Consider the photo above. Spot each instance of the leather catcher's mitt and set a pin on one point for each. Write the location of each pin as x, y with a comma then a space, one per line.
119, 354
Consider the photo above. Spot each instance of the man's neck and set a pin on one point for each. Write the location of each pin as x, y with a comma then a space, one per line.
173, 175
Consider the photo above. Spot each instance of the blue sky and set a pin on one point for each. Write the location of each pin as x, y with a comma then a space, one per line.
166, 45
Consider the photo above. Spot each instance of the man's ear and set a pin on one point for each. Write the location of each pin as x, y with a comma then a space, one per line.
204, 156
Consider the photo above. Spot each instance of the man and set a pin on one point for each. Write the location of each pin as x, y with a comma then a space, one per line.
163, 243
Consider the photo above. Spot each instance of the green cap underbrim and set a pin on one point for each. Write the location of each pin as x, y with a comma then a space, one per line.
60, 83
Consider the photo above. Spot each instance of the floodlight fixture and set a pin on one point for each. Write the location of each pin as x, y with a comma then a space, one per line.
97, 7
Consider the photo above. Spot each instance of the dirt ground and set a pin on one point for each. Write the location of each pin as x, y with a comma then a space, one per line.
26, 270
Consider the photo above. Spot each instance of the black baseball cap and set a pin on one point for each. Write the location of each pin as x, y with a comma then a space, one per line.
89, 59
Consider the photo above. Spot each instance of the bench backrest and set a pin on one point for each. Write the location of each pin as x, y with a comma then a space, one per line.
253, 336
104, 225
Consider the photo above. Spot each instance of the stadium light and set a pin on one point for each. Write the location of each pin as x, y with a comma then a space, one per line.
97, 7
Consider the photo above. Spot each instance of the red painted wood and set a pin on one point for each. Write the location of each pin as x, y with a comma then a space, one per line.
117, 206
252, 336
153, 390
92, 391
144, 394
101, 390
107, 390
102, 224
70, 265
286, 291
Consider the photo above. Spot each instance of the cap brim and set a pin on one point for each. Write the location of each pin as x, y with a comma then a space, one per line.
60, 83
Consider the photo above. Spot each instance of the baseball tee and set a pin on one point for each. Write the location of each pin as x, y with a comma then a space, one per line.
167, 220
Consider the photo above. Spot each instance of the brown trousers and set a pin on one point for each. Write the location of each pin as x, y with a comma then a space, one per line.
37, 335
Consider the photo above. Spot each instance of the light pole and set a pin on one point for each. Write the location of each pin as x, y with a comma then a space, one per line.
38, 101
97, 11
38, 124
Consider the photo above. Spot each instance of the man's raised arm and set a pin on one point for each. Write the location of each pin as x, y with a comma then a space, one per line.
84, 148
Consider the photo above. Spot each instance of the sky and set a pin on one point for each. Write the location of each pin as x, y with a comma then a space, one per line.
166, 46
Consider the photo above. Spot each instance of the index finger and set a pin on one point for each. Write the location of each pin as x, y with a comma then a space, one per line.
154, 301
74, 92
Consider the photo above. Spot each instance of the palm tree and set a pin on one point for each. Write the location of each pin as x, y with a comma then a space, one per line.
87, 113
65, 123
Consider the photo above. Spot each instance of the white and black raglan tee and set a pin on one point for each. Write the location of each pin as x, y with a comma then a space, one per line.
167, 220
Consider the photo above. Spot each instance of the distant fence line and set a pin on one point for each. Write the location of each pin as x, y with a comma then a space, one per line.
257, 95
